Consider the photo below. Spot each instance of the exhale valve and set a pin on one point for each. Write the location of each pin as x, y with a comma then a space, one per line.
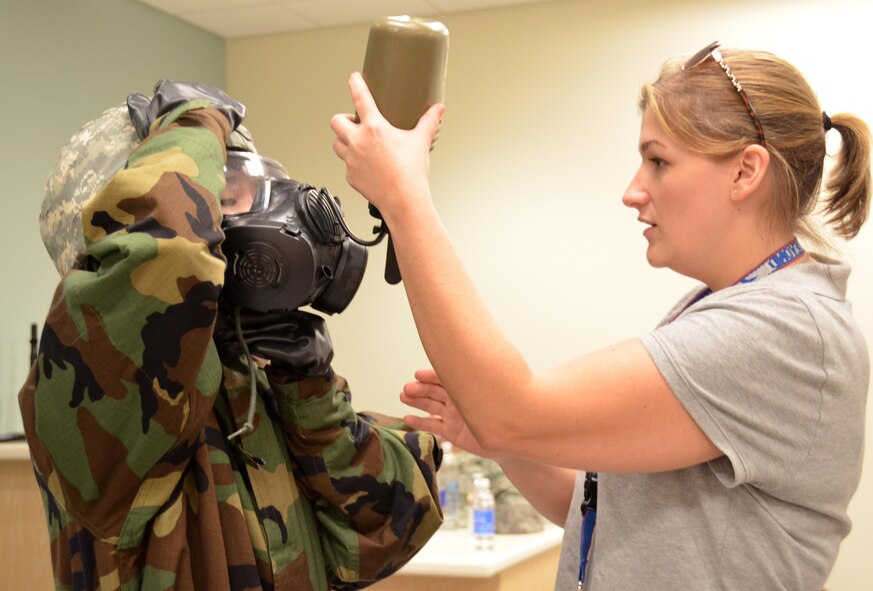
405, 70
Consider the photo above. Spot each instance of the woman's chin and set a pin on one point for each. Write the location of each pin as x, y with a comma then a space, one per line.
654, 258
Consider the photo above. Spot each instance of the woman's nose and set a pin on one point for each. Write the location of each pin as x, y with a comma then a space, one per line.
635, 195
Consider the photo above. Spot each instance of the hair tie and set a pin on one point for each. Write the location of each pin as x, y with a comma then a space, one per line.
826, 121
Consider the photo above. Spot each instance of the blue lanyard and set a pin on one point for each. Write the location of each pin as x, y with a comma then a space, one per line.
782, 257
785, 255
589, 518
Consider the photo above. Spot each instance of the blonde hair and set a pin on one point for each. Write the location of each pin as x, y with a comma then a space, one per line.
700, 109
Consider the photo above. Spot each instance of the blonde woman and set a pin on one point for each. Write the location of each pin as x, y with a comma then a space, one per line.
720, 450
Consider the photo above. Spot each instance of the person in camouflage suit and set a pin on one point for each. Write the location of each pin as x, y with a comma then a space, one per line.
128, 408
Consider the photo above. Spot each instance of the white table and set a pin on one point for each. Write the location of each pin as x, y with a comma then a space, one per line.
449, 561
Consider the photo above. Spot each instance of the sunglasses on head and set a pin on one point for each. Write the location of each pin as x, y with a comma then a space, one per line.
711, 51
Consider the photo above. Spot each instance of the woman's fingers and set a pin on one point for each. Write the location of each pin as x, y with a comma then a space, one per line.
427, 390
361, 98
429, 375
428, 405
429, 424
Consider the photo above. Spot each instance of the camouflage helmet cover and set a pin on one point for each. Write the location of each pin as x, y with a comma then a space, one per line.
85, 165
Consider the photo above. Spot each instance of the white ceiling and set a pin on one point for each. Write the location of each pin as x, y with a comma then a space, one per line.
240, 18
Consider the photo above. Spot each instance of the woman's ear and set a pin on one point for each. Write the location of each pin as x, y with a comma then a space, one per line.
751, 169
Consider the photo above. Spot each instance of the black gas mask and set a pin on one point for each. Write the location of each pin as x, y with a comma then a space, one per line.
286, 243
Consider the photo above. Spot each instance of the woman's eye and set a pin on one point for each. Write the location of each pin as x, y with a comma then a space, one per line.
657, 162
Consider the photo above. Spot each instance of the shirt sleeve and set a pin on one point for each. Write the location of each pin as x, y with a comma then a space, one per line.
127, 372
373, 487
748, 369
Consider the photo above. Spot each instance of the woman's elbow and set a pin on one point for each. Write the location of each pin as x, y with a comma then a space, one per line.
492, 436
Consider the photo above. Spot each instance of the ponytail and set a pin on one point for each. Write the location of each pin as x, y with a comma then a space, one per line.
846, 199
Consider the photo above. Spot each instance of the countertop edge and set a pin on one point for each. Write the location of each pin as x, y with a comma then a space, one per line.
14, 451
510, 550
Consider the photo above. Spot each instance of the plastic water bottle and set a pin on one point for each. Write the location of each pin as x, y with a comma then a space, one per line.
469, 495
448, 479
483, 514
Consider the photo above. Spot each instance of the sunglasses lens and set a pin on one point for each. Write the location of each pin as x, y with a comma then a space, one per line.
700, 56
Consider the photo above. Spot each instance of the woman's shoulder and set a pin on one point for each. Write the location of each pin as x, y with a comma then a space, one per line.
804, 303
804, 287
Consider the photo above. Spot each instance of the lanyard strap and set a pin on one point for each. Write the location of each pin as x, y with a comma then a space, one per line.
782, 257
775, 261
589, 518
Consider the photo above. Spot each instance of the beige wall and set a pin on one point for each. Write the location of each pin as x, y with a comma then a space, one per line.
536, 148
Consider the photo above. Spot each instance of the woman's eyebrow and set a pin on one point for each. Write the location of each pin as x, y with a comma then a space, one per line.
645, 145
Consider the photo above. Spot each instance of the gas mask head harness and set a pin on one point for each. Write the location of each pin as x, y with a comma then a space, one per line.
286, 243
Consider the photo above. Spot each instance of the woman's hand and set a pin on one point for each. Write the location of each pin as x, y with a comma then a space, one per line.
429, 395
384, 164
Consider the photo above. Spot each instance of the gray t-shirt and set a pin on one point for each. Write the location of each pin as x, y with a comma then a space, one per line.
776, 374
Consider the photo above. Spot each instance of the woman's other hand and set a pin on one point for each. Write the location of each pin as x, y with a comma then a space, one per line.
428, 394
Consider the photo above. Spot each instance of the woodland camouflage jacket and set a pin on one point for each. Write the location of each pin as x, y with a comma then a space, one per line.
128, 408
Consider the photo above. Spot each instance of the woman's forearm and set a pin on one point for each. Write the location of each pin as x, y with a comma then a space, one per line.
474, 359
548, 488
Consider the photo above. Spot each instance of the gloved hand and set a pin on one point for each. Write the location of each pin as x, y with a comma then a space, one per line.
169, 94
295, 342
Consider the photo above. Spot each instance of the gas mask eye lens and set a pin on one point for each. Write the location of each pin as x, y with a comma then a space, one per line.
240, 193
248, 177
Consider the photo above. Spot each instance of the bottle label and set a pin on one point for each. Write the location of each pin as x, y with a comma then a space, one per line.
483, 521
450, 490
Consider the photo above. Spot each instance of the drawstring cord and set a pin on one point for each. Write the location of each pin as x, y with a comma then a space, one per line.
248, 426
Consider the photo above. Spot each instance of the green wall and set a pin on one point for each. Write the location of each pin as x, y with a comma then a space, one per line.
62, 62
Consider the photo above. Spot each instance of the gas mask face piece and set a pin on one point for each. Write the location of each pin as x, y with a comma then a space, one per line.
286, 242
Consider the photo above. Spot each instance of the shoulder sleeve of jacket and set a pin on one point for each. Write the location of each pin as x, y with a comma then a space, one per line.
373, 488
127, 371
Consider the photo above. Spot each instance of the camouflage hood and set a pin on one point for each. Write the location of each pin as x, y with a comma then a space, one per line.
89, 160
85, 165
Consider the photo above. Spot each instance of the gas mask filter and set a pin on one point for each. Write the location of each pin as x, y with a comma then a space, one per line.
286, 243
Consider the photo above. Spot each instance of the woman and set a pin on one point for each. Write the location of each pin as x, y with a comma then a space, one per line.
721, 448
